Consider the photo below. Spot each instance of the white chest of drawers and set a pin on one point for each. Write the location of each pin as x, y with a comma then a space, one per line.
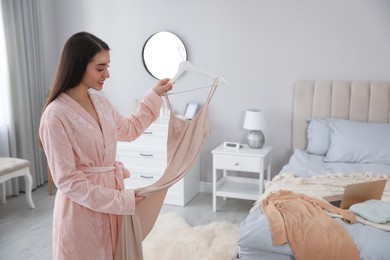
146, 159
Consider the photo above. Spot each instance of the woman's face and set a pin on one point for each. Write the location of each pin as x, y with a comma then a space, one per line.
97, 71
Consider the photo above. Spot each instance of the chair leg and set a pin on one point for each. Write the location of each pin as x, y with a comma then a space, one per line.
28, 180
3, 193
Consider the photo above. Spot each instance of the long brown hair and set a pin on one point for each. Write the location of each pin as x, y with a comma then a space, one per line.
78, 51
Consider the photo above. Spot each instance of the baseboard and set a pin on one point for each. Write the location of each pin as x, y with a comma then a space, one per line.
206, 187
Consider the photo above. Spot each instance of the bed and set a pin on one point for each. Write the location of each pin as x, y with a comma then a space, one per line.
331, 120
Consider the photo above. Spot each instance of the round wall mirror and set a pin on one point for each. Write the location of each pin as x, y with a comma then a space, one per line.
162, 53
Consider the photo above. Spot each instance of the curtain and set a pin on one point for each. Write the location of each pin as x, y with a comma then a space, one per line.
5, 108
4, 93
27, 89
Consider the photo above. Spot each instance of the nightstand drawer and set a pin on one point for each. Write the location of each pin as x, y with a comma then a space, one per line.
138, 180
236, 163
155, 139
154, 136
143, 160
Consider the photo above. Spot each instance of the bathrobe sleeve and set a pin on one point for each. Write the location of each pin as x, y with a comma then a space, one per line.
129, 128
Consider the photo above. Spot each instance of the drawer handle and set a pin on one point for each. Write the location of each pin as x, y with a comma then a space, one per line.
146, 177
148, 132
146, 154
236, 164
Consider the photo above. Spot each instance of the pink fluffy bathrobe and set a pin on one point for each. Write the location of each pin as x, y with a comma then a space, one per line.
90, 199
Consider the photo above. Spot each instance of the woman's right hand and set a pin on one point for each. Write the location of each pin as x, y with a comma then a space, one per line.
163, 86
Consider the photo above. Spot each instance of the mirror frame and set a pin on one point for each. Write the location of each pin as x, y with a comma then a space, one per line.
160, 49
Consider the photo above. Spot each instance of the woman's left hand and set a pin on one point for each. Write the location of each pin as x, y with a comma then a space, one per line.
163, 86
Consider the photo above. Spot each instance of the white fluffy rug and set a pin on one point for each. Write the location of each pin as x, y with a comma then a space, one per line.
174, 239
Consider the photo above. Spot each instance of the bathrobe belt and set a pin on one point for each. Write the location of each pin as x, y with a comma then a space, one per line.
120, 172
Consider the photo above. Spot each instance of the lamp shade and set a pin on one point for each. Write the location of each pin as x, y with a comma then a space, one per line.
254, 120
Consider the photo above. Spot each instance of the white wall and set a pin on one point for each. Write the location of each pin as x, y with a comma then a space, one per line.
260, 46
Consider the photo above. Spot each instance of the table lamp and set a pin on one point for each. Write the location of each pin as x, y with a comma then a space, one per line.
255, 122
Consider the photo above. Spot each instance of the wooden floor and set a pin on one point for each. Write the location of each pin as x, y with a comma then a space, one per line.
26, 233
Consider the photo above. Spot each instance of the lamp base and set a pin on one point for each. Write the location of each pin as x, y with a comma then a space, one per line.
256, 139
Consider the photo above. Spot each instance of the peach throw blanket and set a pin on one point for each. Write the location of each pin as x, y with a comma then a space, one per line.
312, 234
185, 140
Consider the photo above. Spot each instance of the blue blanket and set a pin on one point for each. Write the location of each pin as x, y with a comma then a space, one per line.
376, 211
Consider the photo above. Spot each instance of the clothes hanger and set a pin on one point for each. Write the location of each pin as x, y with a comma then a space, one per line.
186, 66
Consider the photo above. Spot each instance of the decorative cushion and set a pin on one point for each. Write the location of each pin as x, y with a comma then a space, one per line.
358, 142
9, 164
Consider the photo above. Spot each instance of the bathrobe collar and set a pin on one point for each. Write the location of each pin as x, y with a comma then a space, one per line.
74, 105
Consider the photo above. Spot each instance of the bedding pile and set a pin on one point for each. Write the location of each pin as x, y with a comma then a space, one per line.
325, 185
300, 221
371, 239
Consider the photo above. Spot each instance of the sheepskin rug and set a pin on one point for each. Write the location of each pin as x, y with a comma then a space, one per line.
174, 239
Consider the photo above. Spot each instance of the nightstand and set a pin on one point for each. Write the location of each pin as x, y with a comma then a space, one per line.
245, 159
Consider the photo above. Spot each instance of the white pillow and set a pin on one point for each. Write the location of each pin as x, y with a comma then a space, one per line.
358, 142
318, 135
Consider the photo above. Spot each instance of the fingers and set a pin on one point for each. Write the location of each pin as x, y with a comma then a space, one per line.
164, 81
168, 86
163, 86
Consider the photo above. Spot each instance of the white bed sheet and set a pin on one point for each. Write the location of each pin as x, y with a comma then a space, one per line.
255, 236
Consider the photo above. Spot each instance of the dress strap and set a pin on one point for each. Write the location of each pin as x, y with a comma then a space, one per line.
168, 102
212, 91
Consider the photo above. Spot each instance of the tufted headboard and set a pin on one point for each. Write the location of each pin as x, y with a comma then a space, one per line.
367, 101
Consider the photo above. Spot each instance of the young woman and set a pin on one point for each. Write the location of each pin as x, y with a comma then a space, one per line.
78, 131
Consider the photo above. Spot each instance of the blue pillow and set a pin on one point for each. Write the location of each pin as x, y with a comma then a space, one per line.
377, 211
318, 135
358, 142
